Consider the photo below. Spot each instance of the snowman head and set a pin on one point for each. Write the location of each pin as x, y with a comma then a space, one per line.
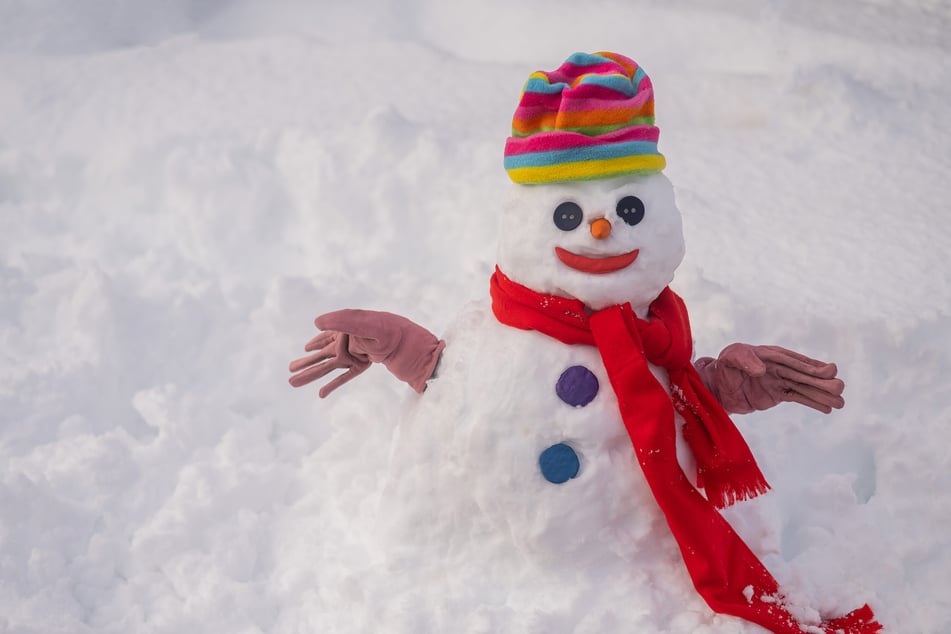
603, 242
591, 216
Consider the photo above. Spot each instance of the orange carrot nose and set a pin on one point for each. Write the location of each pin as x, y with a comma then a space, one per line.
601, 228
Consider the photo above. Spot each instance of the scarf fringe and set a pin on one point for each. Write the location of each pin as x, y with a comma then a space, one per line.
726, 486
860, 621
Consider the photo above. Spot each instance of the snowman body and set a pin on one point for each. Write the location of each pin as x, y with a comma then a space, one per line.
469, 520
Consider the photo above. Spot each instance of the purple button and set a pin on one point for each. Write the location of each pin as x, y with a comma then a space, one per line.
577, 386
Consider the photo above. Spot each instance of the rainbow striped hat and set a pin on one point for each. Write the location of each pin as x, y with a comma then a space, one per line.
592, 118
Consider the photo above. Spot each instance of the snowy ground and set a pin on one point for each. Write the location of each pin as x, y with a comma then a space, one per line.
184, 185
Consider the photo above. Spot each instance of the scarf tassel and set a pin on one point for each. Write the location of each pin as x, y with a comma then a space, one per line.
727, 486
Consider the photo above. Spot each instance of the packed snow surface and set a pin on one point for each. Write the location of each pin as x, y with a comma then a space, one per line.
184, 185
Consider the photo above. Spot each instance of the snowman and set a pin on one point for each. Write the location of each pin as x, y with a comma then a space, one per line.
563, 426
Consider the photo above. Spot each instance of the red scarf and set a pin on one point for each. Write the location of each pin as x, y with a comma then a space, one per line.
724, 570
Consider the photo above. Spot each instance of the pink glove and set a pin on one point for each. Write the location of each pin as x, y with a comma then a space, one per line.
746, 378
353, 339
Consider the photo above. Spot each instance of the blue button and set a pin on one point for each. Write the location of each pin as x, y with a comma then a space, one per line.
577, 386
559, 463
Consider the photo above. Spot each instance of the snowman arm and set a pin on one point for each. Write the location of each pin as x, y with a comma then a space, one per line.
352, 339
747, 378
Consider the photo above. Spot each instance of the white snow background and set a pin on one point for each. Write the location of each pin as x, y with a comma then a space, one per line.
185, 184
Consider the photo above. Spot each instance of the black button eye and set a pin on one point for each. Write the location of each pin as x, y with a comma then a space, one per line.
567, 216
630, 209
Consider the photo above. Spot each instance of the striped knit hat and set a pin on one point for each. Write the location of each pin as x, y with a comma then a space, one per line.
592, 118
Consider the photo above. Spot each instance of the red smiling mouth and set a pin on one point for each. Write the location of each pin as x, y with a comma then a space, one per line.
596, 265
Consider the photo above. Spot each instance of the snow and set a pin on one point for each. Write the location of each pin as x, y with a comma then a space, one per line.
185, 185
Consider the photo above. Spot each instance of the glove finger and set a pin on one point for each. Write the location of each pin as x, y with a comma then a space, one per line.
822, 397
315, 372
320, 340
340, 380
796, 361
327, 352
742, 357
354, 321
832, 386
795, 397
